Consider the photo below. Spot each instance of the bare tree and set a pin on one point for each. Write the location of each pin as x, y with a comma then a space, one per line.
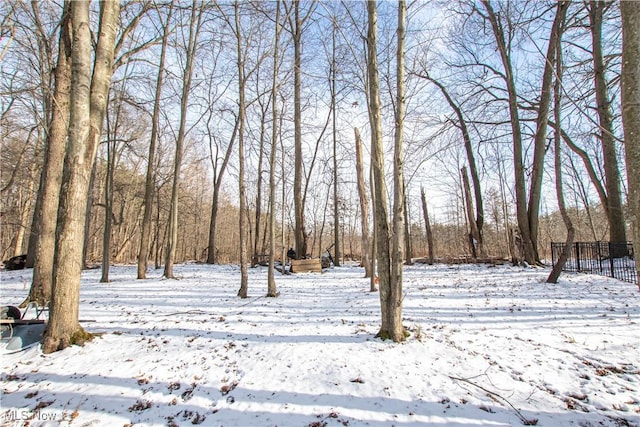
88, 106
474, 234
518, 160
428, 230
244, 279
631, 108
96, 118
218, 174
336, 204
617, 225
398, 230
113, 153
271, 281
540, 137
473, 168
364, 207
145, 237
381, 216
388, 247
51, 177
408, 240
527, 213
374, 280
557, 137
296, 24
45, 74
191, 48
258, 248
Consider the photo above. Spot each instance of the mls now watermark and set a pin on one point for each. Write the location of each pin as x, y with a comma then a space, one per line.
30, 415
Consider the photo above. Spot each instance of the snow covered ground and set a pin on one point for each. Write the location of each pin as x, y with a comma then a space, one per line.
492, 346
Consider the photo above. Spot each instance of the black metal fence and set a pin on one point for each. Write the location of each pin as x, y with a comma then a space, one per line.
604, 258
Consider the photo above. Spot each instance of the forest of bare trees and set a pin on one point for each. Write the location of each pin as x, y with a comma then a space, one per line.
223, 132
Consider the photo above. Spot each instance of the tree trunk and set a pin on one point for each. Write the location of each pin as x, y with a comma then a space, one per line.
373, 256
112, 161
398, 232
217, 186
48, 105
408, 249
427, 224
271, 281
258, 208
364, 207
100, 86
145, 236
113, 154
557, 90
336, 204
159, 234
88, 106
300, 232
283, 195
540, 138
25, 217
474, 235
530, 253
172, 241
631, 110
108, 201
617, 225
51, 177
377, 161
244, 279
87, 216
389, 274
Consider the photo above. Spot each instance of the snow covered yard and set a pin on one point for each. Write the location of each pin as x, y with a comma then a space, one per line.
489, 346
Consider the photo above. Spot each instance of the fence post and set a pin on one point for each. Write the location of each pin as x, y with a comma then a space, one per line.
578, 256
611, 254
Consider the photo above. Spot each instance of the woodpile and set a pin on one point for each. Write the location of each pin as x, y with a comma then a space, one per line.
310, 265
